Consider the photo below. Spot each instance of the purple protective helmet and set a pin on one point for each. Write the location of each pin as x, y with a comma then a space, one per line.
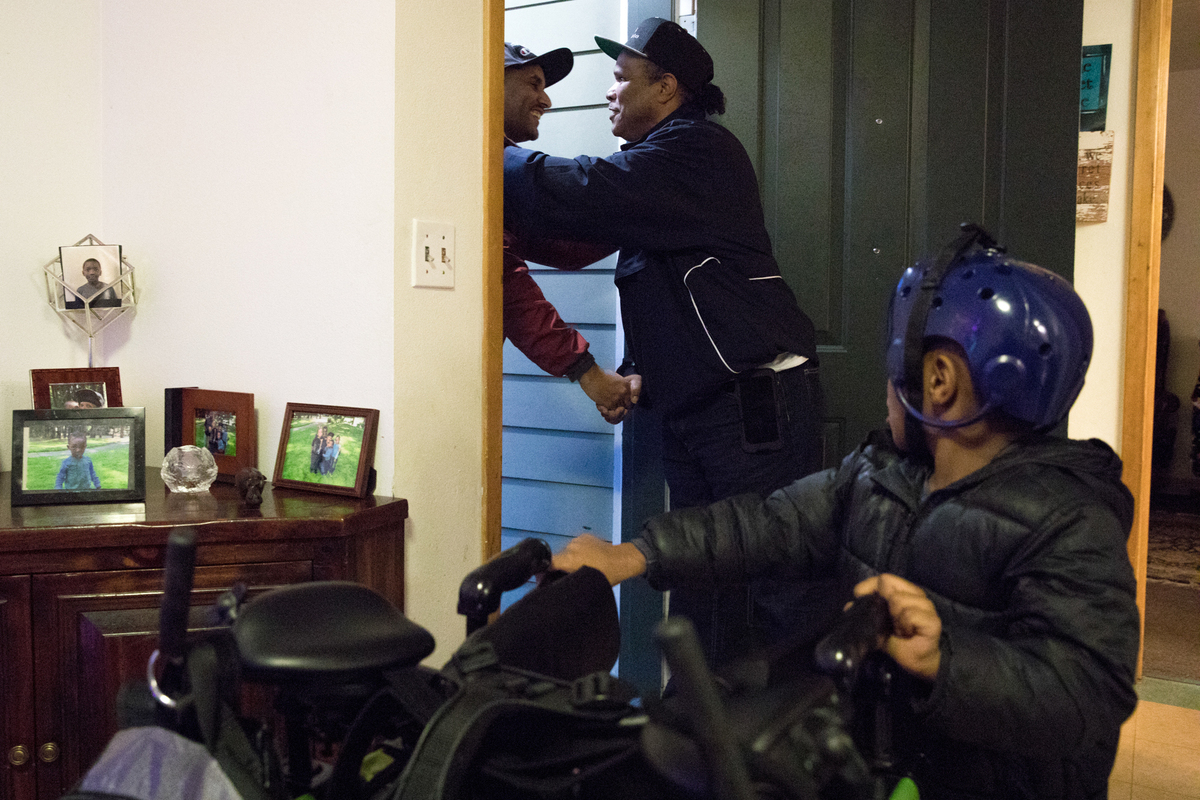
1026, 333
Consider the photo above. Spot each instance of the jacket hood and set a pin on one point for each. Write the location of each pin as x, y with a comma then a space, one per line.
1091, 461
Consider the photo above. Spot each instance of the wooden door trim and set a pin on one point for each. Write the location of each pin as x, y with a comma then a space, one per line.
1142, 273
493, 288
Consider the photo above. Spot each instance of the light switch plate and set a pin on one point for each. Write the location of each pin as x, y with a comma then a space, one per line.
433, 254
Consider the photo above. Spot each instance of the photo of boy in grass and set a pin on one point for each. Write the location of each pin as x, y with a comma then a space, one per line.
316, 444
58, 458
76, 471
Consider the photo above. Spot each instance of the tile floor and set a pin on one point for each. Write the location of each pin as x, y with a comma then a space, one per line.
1159, 754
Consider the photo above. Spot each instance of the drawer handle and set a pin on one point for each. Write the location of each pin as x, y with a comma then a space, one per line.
18, 756
48, 752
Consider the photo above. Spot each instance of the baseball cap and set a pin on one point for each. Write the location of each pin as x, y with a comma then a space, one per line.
555, 64
670, 47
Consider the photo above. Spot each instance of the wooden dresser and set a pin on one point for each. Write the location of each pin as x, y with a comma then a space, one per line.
80, 587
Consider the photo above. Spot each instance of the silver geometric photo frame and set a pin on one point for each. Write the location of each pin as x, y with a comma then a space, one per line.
90, 284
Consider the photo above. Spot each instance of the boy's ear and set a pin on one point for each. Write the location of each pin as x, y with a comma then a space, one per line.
943, 379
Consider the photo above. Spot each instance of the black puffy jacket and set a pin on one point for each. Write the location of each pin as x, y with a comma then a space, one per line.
1026, 563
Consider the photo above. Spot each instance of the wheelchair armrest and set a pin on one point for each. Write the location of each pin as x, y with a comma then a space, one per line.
480, 592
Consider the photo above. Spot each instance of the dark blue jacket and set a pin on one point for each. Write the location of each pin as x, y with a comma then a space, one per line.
701, 295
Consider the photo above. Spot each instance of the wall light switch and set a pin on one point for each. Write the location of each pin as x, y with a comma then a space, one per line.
433, 254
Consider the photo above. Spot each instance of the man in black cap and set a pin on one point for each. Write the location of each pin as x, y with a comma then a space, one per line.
723, 350
531, 323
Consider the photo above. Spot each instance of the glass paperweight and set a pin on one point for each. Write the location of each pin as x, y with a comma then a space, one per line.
189, 469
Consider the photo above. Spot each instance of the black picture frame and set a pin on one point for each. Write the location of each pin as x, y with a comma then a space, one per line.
41, 438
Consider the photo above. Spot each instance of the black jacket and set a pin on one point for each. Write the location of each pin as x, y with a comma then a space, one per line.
701, 294
1026, 563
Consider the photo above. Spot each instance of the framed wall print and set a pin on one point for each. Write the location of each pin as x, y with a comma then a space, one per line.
76, 388
326, 449
223, 423
78, 455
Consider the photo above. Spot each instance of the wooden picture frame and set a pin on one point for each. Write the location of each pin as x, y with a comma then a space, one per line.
54, 388
110, 467
224, 423
298, 465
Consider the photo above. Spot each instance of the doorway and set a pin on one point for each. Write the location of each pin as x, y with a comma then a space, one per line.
1172, 627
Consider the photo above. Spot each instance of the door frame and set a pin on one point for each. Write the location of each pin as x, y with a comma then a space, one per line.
493, 287
1142, 273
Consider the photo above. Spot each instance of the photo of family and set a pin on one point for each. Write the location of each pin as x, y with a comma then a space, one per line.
90, 272
62, 455
78, 395
216, 431
324, 449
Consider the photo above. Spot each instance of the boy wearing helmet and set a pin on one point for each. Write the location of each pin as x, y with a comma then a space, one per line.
1000, 548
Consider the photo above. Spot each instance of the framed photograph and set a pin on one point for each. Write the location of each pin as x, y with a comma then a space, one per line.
78, 455
91, 275
76, 388
326, 449
222, 422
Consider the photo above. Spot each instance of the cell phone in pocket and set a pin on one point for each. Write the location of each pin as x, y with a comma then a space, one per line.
758, 401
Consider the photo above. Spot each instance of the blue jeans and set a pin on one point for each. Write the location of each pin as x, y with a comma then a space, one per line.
705, 460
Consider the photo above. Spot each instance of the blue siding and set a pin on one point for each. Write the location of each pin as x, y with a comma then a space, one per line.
558, 508
558, 452
559, 456
600, 343
554, 403
579, 296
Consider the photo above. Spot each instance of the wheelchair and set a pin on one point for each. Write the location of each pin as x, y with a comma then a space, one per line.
526, 708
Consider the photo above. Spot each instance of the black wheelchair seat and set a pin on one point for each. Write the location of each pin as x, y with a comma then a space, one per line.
325, 629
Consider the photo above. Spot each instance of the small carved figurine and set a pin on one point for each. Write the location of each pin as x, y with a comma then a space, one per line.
249, 483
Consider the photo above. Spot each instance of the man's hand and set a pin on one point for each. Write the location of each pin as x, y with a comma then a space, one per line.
916, 626
615, 413
606, 389
618, 562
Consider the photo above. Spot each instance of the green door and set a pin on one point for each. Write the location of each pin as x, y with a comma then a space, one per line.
876, 127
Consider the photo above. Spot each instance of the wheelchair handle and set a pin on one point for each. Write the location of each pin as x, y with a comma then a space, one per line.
480, 592
861, 630
179, 567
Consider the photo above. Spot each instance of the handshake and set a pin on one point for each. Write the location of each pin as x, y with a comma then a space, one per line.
613, 394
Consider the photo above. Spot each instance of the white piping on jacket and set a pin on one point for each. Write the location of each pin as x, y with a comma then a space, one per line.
700, 317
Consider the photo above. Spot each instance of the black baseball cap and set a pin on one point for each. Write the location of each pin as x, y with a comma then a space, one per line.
555, 64
670, 47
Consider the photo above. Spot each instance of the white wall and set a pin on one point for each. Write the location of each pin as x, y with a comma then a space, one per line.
50, 179
243, 158
1179, 288
248, 174
1101, 248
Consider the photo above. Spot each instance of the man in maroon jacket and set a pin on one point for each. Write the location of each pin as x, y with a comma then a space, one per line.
530, 321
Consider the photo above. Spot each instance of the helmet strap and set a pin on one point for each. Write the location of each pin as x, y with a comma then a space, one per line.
915, 416
912, 394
